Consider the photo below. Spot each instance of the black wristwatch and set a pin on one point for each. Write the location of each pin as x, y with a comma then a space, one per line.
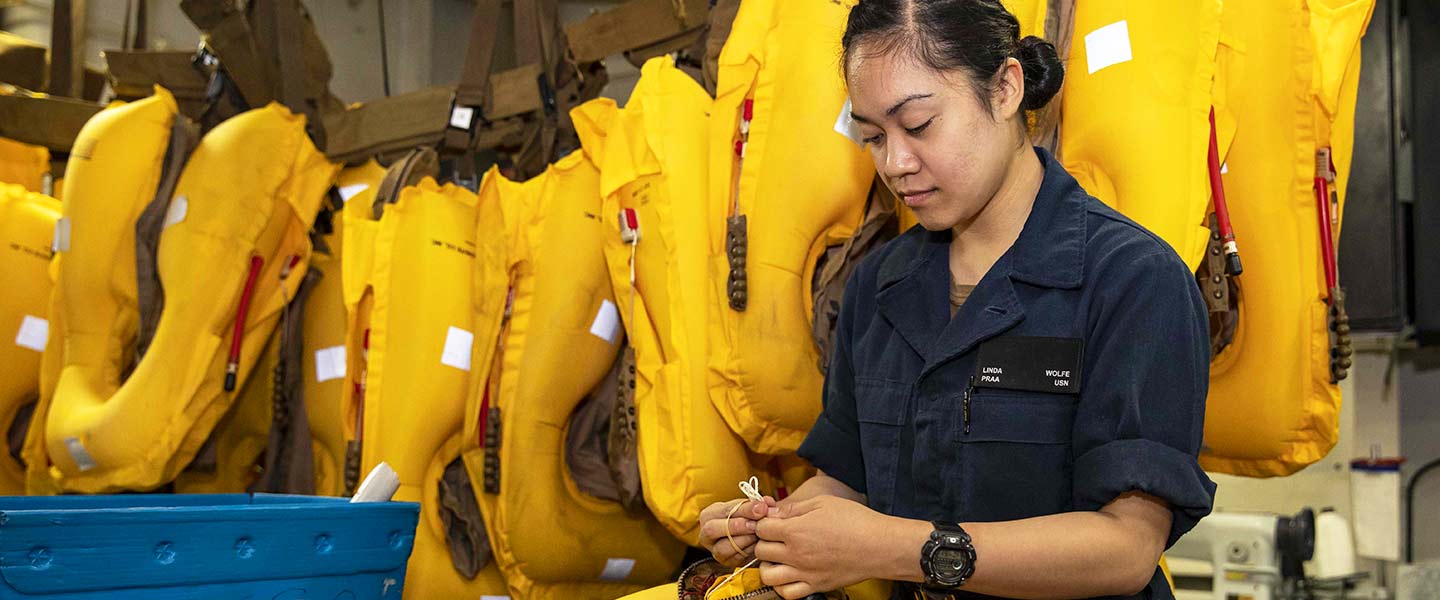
948, 557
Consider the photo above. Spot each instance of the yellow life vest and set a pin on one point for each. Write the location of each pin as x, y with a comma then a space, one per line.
1139, 76
240, 437
418, 366
114, 171
23, 164
652, 161
560, 342
1272, 407
799, 187
27, 223
239, 219
357, 262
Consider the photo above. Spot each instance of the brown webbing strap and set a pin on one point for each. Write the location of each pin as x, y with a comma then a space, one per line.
419, 164
473, 95
228, 32
1059, 30
142, 25
184, 135
289, 457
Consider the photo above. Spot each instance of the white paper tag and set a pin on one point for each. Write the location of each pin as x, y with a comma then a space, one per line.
457, 348
461, 117
606, 325
329, 363
83, 460
846, 126
34, 333
1108, 46
617, 569
1224, 168
179, 207
349, 191
61, 241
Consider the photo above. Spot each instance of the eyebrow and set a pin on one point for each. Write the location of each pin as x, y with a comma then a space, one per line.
893, 109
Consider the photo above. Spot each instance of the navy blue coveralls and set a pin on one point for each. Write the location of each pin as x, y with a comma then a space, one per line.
907, 422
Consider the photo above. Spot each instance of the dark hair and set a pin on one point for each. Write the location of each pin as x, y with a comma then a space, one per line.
975, 36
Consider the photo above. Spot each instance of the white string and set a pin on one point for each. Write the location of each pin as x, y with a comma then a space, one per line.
751, 489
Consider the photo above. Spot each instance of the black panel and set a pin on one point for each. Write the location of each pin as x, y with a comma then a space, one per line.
1422, 121
1372, 248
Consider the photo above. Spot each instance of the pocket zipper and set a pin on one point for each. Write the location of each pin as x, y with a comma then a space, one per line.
965, 403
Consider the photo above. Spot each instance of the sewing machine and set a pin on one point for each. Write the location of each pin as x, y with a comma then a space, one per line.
1255, 556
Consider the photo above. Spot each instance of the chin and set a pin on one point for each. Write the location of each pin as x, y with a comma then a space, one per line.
932, 221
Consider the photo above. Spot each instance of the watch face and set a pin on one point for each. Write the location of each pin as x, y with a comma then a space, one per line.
949, 565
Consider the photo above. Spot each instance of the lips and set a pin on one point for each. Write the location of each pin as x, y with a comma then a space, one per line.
916, 197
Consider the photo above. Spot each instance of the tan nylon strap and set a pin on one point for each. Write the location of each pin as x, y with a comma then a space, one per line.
474, 88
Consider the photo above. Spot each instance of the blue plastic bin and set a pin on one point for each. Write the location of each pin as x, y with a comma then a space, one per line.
227, 546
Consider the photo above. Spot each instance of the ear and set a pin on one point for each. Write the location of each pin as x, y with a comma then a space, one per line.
1009, 90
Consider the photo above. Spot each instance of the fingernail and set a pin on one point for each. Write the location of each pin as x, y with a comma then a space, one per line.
773, 511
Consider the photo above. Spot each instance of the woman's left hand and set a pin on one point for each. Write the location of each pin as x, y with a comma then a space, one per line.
824, 543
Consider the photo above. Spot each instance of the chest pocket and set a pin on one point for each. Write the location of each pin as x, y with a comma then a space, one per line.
1015, 459
881, 408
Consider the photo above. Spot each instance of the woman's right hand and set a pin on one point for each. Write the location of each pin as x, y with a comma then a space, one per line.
713, 522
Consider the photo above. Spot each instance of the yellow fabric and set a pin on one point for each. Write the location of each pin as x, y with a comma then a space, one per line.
239, 203
23, 164
242, 434
326, 328
358, 228
113, 172
1272, 409
1030, 13
802, 187
418, 370
651, 157
873, 589
553, 354
27, 223
1136, 134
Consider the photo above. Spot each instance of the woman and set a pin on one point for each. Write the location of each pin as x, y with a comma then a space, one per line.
1015, 403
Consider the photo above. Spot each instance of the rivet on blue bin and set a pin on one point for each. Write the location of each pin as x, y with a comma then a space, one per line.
323, 545
244, 548
40, 558
398, 539
165, 553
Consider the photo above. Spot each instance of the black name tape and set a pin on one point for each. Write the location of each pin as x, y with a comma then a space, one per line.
1035, 364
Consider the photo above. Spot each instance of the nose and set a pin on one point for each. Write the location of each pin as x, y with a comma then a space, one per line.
900, 161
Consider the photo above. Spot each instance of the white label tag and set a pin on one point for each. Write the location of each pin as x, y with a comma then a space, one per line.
1108, 46
83, 460
1224, 168
329, 363
617, 569
61, 241
349, 191
34, 333
606, 325
457, 348
461, 117
179, 207
844, 125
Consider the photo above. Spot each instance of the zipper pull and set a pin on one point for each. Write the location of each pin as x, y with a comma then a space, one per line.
965, 403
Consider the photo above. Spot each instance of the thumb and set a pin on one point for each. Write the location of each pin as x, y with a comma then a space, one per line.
793, 509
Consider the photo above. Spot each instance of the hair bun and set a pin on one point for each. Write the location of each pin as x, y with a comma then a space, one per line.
1044, 73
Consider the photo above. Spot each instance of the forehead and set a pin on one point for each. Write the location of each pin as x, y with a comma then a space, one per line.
879, 80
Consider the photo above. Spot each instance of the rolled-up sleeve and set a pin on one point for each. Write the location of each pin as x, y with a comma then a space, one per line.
833, 444
1142, 406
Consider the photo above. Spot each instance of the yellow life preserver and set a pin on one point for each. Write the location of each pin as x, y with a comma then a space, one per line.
1272, 407
1140, 73
326, 359
652, 160
800, 187
23, 164
239, 219
357, 262
418, 366
560, 342
240, 437
114, 172
27, 223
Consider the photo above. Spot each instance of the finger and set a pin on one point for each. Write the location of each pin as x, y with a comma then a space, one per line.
776, 574
714, 511
742, 548
754, 510
771, 529
793, 591
793, 509
775, 552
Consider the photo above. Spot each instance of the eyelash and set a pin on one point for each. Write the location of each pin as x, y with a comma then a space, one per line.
920, 128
